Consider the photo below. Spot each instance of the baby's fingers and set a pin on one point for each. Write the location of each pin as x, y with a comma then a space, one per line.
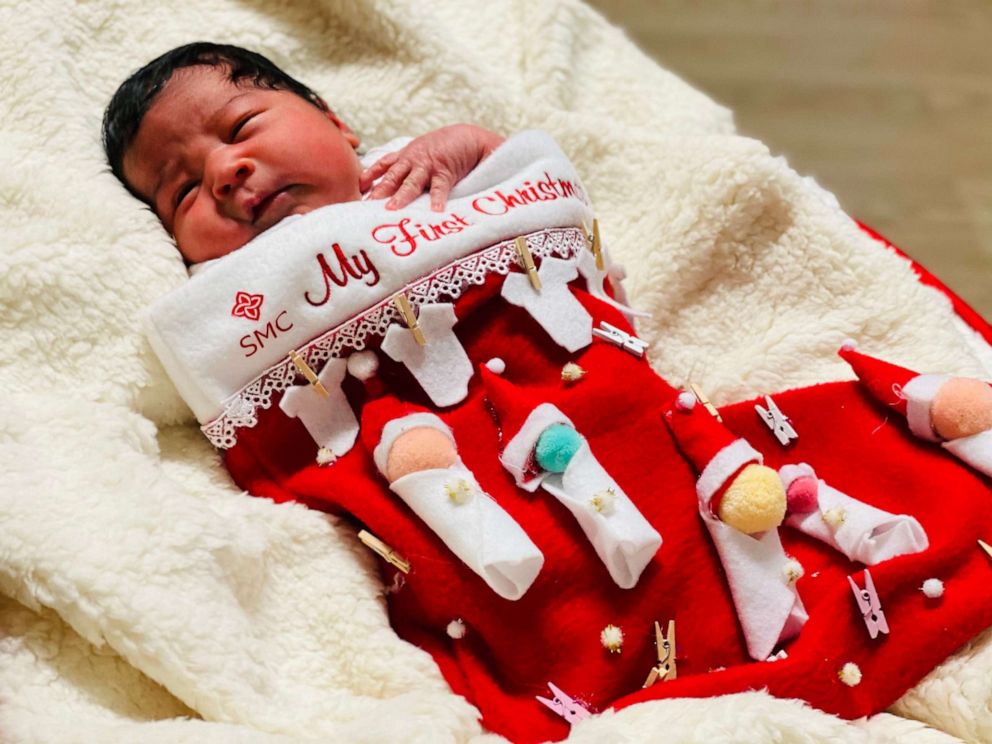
375, 170
412, 187
440, 187
391, 181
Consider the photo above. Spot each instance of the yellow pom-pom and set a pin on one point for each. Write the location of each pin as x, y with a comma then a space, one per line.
755, 501
612, 639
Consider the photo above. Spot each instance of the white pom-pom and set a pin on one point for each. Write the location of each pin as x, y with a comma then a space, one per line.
850, 674
612, 639
834, 517
604, 502
686, 401
325, 456
792, 571
933, 588
363, 364
572, 372
849, 344
456, 629
496, 365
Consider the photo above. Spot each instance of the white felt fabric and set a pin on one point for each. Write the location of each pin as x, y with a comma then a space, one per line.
919, 393
976, 450
596, 281
622, 537
553, 307
328, 419
101, 643
441, 366
867, 535
479, 531
768, 606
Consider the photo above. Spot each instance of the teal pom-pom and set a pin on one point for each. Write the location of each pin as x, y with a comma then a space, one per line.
556, 447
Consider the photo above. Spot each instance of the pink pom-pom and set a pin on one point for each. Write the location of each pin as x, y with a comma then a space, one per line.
363, 364
802, 495
849, 344
686, 401
496, 365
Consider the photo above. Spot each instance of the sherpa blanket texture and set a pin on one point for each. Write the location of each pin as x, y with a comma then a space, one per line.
144, 598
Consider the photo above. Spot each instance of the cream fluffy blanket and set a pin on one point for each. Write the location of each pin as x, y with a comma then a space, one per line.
144, 597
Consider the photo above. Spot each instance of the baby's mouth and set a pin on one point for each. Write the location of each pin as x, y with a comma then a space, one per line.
266, 212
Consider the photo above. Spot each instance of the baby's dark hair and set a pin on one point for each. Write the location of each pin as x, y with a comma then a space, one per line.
135, 95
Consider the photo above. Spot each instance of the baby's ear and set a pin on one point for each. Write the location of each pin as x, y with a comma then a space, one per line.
349, 135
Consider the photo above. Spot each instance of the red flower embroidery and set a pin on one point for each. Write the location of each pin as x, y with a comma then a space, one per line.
247, 305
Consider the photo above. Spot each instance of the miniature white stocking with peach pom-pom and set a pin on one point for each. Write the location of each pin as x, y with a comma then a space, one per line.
418, 455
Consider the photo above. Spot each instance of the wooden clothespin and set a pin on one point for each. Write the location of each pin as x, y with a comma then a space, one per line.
986, 547
406, 310
528, 260
597, 246
665, 669
701, 397
385, 552
308, 373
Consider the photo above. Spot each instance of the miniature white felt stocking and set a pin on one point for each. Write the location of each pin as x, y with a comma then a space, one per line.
860, 531
554, 307
768, 606
441, 366
329, 419
622, 538
430, 477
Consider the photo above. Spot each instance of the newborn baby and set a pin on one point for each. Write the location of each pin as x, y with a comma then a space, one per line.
221, 144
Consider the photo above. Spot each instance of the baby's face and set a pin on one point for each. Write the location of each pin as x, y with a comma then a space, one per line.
221, 162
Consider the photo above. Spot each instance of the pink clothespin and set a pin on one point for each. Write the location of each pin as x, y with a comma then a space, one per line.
871, 608
571, 710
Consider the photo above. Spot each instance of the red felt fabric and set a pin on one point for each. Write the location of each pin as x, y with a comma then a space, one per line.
512, 649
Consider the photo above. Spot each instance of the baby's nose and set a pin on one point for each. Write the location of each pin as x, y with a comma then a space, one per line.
232, 175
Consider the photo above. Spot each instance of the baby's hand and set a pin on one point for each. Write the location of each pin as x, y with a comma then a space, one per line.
435, 161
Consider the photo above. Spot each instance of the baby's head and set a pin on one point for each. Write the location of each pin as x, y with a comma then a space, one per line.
221, 144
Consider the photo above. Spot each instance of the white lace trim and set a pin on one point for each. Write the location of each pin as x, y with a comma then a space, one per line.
448, 282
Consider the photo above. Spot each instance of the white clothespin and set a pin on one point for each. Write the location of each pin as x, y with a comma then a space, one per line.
776, 421
870, 606
624, 340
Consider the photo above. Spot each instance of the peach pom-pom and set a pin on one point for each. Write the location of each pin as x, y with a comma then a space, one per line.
421, 448
363, 364
802, 495
686, 401
755, 500
961, 407
496, 365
